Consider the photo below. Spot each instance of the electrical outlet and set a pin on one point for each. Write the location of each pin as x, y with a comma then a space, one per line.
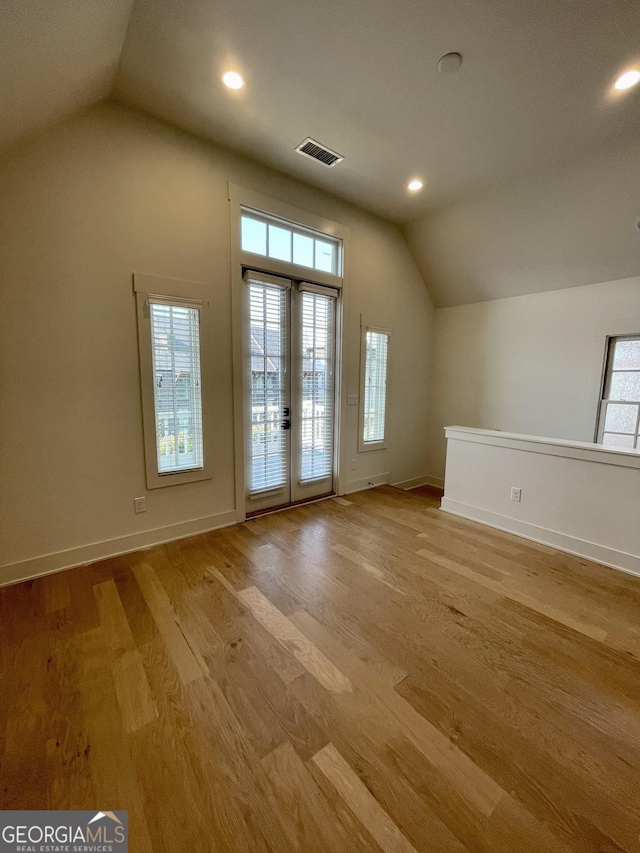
140, 504
352, 400
516, 494
353, 464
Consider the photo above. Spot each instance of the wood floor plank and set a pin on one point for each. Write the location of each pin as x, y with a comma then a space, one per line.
527, 600
68, 761
23, 785
188, 661
282, 629
56, 592
132, 687
113, 776
288, 634
361, 802
309, 822
378, 573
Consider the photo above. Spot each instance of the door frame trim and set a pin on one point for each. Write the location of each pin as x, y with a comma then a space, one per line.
242, 197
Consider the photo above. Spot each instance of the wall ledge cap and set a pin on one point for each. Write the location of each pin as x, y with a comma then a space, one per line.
590, 452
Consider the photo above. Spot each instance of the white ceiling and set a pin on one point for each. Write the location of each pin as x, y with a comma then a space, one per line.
56, 57
358, 75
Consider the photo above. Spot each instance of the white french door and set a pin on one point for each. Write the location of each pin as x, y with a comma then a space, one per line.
290, 329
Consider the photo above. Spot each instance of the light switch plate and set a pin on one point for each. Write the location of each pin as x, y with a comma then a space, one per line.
352, 400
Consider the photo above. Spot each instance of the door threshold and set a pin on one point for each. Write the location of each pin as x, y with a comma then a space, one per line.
258, 512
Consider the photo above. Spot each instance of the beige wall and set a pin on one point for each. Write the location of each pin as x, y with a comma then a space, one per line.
530, 364
82, 207
567, 227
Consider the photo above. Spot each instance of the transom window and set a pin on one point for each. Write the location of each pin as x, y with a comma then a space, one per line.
619, 420
285, 241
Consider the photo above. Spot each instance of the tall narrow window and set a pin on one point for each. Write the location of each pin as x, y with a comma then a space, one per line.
177, 386
619, 420
175, 378
374, 388
317, 362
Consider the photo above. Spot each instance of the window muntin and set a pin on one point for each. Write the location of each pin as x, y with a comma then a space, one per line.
619, 421
288, 242
376, 349
177, 386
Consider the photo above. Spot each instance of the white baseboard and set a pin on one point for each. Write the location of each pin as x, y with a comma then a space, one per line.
366, 483
427, 480
621, 560
50, 563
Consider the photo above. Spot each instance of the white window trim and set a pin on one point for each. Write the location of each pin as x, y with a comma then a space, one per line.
240, 197
248, 200
173, 290
366, 446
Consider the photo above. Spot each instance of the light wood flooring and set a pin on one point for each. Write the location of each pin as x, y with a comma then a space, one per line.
361, 674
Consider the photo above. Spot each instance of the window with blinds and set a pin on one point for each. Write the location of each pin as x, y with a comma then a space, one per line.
175, 347
269, 397
318, 342
376, 347
619, 420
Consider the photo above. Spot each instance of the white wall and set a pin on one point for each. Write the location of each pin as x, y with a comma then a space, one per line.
82, 207
530, 364
577, 497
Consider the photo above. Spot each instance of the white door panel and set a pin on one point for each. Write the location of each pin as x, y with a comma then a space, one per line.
268, 395
314, 392
289, 391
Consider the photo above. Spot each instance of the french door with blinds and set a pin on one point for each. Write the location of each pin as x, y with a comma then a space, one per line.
290, 330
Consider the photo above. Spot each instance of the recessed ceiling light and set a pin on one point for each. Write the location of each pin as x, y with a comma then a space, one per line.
233, 80
414, 186
449, 63
627, 80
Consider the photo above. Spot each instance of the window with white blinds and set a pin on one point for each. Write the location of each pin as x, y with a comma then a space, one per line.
269, 397
376, 348
177, 391
318, 343
619, 421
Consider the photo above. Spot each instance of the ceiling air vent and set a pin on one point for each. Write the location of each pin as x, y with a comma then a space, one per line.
313, 149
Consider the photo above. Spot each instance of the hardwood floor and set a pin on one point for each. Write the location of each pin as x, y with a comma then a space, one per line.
362, 674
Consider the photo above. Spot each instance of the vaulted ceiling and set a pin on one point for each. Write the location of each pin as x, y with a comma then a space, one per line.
56, 57
358, 75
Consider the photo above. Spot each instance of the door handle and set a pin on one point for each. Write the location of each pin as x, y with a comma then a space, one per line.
286, 424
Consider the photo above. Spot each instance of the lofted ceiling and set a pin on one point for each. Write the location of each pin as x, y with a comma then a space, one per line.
56, 57
358, 75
